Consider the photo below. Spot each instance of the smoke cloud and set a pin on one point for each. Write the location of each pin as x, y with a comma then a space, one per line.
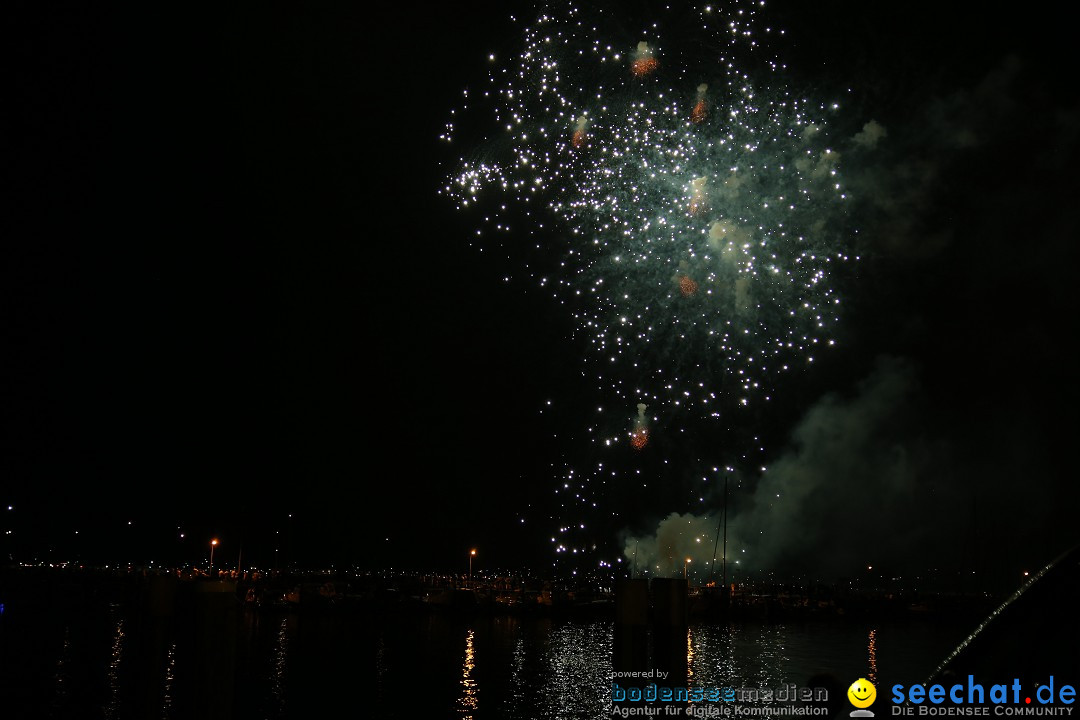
870, 135
871, 479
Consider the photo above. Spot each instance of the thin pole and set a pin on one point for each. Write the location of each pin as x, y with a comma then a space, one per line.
725, 532
716, 542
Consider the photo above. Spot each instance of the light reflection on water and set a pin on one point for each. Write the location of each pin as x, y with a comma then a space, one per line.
435, 665
739, 655
170, 678
690, 656
575, 672
468, 684
871, 651
768, 656
281, 656
380, 669
112, 708
562, 669
63, 679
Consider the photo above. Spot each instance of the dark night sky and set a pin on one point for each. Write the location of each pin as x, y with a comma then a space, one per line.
230, 292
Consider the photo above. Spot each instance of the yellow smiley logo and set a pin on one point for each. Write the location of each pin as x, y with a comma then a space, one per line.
861, 694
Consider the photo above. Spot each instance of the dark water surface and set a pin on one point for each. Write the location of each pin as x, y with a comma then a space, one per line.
105, 660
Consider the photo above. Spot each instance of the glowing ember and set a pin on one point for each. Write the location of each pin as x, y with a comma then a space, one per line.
697, 115
643, 66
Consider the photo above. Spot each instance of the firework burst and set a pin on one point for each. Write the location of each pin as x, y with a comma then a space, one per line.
698, 231
683, 201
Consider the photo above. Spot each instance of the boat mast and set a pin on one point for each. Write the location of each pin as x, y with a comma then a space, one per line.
725, 532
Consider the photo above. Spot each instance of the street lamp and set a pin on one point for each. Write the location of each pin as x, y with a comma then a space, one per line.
213, 544
472, 554
684, 574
